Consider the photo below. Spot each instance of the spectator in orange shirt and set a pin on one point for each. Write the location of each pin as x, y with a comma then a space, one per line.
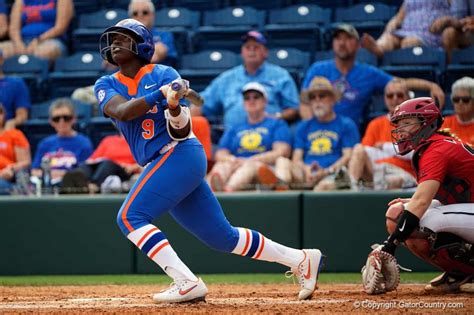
15, 155
374, 162
462, 122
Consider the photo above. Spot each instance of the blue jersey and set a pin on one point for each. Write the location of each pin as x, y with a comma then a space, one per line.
146, 134
323, 142
246, 140
356, 87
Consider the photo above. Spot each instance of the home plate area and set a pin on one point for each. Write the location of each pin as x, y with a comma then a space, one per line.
251, 298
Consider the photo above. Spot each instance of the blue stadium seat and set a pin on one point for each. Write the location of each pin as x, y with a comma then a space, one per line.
201, 68
293, 60
37, 127
78, 70
197, 5
297, 26
91, 25
448, 108
181, 22
223, 29
396, 3
98, 128
363, 56
462, 64
33, 70
261, 4
324, 3
421, 62
85, 6
369, 17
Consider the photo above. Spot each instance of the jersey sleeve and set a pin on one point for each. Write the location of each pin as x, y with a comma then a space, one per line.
19, 139
433, 165
282, 132
300, 136
226, 140
104, 91
351, 134
22, 95
380, 79
40, 151
86, 149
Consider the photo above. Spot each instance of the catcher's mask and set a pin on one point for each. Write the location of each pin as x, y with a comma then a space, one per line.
430, 120
141, 40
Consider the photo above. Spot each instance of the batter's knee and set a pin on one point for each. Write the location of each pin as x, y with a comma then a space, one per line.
223, 243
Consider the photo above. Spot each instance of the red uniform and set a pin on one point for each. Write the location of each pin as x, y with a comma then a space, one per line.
450, 162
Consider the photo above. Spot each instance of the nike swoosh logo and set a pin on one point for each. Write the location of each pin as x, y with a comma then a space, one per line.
149, 86
403, 226
308, 274
181, 292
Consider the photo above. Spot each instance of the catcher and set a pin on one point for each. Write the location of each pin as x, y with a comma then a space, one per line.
437, 223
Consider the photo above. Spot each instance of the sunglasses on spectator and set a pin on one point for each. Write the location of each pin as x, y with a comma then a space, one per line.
320, 96
66, 118
144, 12
392, 95
252, 97
463, 99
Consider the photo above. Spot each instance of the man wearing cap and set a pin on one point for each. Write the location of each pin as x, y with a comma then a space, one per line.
323, 144
223, 95
357, 82
247, 149
15, 97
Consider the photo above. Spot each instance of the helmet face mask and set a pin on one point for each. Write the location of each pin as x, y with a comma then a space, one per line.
428, 118
106, 43
141, 40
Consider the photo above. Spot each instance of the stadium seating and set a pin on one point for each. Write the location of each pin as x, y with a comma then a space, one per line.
33, 70
78, 70
297, 26
421, 62
99, 127
91, 25
261, 4
292, 59
197, 5
200, 68
462, 64
324, 3
363, 56
223, 29
370, 17
181, 22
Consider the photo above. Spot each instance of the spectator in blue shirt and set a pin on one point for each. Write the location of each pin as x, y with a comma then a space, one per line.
223, 95
165, 50
323, 145
3, 20
64, 150
357, 82
247, 149
15, 98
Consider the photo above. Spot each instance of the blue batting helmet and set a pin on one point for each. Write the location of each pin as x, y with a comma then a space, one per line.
142, 41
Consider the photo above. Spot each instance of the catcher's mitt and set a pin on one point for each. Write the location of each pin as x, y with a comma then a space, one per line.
381, 272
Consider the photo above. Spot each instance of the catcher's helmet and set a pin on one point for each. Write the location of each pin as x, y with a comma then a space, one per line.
142, 40
429, 115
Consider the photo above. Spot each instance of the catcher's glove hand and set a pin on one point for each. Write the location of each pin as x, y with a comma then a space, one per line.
381, 272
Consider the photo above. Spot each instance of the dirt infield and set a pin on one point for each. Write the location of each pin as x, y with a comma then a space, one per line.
265, 298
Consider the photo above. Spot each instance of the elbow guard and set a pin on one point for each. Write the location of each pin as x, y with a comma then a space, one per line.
179, 122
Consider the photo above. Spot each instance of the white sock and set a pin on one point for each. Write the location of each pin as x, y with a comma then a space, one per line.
154, 244
253, 244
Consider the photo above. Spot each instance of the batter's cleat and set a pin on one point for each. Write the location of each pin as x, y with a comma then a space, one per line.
307, 272
467, 285
445, 283
183, 291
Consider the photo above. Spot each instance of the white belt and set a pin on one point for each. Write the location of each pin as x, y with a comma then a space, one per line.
168, 147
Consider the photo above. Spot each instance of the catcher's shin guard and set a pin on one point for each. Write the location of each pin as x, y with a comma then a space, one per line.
446, 251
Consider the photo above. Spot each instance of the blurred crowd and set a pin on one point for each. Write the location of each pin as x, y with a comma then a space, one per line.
275, 136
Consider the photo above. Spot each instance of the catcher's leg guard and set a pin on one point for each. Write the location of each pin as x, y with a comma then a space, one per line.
446, 251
